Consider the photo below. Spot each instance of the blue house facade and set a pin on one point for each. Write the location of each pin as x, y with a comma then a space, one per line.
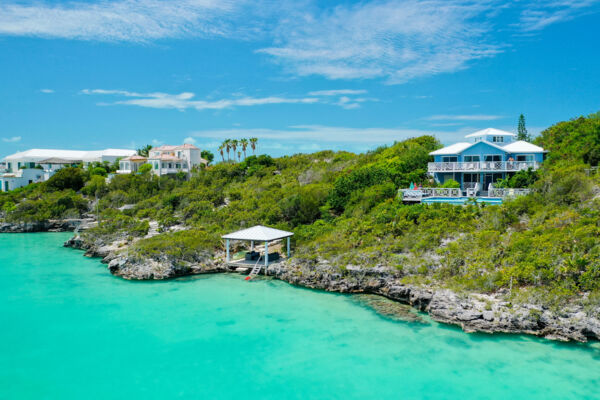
489, 155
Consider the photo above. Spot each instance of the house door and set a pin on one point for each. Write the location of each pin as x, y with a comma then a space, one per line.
6, 186
490, 178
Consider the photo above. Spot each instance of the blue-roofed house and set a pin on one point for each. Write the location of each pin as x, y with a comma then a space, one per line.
487, 156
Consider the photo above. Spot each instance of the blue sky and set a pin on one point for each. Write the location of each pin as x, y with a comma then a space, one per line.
299, 75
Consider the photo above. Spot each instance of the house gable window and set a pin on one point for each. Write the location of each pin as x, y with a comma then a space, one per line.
471, 158
498, 139
449, 158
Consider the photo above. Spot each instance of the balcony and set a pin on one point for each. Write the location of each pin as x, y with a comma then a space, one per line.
485, 166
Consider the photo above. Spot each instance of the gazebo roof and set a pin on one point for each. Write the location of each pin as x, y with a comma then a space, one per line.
258, 233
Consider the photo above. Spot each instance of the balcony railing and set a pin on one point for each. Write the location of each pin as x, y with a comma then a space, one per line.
493, 166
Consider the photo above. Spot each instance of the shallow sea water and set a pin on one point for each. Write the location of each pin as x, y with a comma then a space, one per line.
70, 330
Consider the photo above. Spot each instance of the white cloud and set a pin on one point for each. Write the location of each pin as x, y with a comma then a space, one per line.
120, 20
189, 140
474, 117
539, 15
336, 92
13, 139
48, 91
186, 100
156, 142
318, 134
396, 40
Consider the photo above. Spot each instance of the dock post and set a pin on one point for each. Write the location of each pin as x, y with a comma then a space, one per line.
266, 256
288, 247
227, 250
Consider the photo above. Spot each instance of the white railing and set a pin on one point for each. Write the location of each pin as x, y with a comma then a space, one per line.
417, 194
482, 166
505, 192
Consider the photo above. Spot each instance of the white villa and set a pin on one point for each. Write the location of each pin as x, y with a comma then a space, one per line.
165, 160
38, 165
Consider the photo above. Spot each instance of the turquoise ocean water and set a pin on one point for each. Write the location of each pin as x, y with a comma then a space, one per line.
70, 330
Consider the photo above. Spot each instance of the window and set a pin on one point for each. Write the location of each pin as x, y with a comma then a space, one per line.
170, 165
469, 178
498, 139
525, 157
163, 165
471, 158
450, 159
493, 157
177, 166
156, 165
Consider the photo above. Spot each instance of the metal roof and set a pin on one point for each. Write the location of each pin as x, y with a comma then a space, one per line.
258, 233
455, 148
523, 147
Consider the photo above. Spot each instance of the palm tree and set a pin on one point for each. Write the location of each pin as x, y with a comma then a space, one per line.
221, 148
227, 144
239, 156
144, 151
253, 142
244, 143
234, 145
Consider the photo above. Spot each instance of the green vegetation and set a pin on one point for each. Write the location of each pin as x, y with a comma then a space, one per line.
343, 207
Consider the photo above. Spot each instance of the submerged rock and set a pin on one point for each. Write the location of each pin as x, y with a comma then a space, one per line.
388, 308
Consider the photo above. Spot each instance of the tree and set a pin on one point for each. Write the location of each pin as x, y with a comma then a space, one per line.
244, 143
522, 130
66, 178
144, 151
239, 153
253, 142
227, 144
144, 168
234, 145
221, 148
207, 155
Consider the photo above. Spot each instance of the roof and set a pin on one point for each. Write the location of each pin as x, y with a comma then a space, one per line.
165, 157
55, 160
134, 158
455, 148
259, 233
167, 147
522, 146
79, 155
490, 132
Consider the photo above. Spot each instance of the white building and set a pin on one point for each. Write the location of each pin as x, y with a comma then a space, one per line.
165, 160
38, 165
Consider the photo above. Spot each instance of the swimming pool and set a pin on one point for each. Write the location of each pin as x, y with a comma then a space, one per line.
461, 200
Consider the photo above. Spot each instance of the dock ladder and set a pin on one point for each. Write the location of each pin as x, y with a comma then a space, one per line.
255, 270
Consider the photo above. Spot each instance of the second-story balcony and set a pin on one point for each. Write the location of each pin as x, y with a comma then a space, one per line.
484, 166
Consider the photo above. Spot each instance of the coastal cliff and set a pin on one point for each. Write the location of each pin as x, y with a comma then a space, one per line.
471, 311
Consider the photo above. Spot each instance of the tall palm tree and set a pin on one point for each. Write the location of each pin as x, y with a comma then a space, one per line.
234, 145
239, 156
227, 144
221, 148
244, 143
253, 142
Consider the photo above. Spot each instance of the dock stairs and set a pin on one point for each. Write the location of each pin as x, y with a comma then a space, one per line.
255, 270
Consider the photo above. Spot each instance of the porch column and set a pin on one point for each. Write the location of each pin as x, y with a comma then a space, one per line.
227, 250
266, 256
288, 247
252, 245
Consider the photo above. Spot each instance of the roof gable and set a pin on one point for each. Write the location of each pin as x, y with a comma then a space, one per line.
458, 148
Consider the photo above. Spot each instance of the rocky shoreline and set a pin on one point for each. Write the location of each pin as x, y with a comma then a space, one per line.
61, 225
472, 312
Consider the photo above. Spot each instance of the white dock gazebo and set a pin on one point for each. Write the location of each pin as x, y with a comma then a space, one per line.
257, 233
